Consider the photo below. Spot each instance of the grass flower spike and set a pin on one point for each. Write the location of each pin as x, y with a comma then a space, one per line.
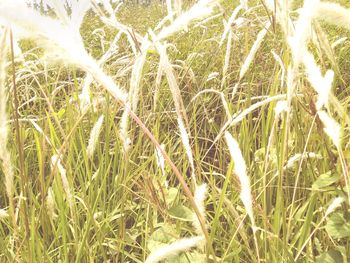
95, 133
241, 172
174, 249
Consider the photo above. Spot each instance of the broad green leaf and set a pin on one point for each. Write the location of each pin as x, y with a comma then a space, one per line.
331, 256
171, 195
338, 225
162, 236
325, 180
181, 212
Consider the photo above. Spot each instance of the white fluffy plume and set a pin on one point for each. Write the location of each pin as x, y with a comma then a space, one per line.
174, 248
241, 172
59, 38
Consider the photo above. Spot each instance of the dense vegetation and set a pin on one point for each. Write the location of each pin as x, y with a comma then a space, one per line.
208, 131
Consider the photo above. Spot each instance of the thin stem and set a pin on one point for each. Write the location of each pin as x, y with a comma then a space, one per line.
24, 179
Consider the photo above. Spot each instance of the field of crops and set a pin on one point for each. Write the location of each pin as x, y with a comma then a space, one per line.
174, 131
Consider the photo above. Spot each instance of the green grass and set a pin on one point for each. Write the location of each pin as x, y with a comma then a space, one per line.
121, 209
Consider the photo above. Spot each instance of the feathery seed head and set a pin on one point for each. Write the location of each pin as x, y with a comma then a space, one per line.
298, 41
280, 107
331, 128
56, 161
334, 205
3, 214
322, 85
160, 159
174, 248
186, 143
50, 204
241, 172
201, 9
200, 195
95, 133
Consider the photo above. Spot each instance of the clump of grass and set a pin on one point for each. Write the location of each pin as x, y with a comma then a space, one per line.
89, 186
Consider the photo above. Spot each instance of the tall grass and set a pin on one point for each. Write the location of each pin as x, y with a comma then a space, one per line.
191, 131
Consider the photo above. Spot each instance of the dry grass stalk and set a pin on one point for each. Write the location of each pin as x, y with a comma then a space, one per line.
249, 59
178, 102
280, 9
111, 20
158, 83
